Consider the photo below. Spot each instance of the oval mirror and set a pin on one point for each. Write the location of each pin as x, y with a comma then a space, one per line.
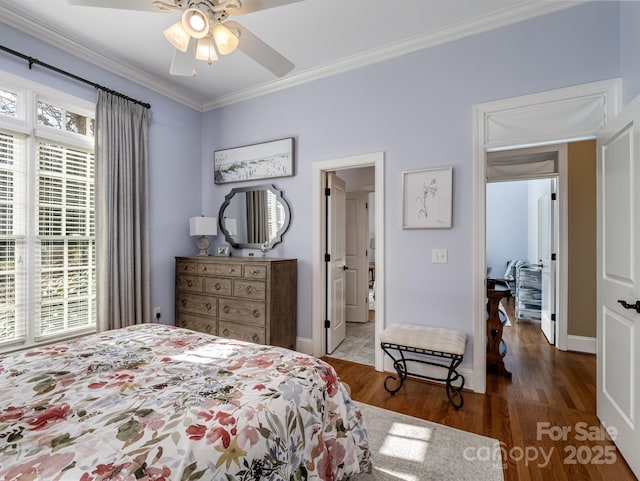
254, 217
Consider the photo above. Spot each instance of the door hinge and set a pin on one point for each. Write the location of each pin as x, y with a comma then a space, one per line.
327, 257
553, 317
327, 324
327, 191
553, 196
553, 256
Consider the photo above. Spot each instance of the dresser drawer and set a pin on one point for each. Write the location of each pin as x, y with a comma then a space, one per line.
197, 304
254, 272
250, 289
197, 323
217, 285
186, 282
242, 332
227, 270
185, 266
244, 311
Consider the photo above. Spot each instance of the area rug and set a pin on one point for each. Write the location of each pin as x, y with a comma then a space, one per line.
405, 448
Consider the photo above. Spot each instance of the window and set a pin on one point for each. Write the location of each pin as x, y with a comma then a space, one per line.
47, 230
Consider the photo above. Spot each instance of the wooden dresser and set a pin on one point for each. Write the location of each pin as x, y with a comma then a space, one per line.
248, 298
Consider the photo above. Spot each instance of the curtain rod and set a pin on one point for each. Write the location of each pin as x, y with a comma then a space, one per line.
33, 60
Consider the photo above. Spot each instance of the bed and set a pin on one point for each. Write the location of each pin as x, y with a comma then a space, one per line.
154, 402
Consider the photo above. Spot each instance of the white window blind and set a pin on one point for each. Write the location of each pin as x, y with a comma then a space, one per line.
65, 240
47, 210
12, 237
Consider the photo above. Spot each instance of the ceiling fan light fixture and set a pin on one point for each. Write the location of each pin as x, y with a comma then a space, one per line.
206, 51
225, 40
177, 36
195, 23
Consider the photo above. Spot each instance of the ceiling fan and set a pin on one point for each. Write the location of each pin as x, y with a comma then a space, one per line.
204, 31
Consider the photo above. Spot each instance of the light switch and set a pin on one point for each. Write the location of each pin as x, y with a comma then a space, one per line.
439, 256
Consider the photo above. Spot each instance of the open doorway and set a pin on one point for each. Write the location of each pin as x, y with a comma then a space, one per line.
358, 344
320, 301
521, 250
526, 234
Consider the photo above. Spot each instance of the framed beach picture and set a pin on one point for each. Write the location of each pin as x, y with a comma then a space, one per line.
427, 198
253, 162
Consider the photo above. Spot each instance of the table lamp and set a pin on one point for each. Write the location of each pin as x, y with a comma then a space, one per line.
203, 227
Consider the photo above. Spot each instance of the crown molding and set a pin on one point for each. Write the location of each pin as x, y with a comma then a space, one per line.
478, 25
507, 16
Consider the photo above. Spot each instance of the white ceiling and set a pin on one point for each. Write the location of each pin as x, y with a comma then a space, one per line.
321, 37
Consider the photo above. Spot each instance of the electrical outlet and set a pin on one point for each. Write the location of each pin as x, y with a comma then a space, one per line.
156, 313
439, 256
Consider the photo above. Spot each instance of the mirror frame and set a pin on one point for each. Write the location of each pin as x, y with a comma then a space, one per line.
277, 238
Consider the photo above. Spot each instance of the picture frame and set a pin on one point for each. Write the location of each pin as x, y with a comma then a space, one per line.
427, 198
222, 250
265, 160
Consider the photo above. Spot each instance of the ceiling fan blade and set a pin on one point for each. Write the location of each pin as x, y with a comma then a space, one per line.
143, 5
184, 63
248, 6
260, 51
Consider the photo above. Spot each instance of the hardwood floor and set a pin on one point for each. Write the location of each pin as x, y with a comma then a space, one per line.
544, 417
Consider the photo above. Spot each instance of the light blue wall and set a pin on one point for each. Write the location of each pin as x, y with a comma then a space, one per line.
507, 224
417, 109
630, 49
175, 153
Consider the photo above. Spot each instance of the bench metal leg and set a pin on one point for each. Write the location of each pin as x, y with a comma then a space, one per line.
454, 382
454, 393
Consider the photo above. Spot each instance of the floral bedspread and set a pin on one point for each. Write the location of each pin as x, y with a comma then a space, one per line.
156, 402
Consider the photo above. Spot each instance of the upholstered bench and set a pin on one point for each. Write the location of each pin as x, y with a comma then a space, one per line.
421, 344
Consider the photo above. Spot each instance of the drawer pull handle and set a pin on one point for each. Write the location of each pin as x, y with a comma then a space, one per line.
185, 267
208, 328
255, 338
225, 309
183, 302
226, 331
248, 289
256, 313
231, 271
217, 286
208, 306
189, 283
254, 272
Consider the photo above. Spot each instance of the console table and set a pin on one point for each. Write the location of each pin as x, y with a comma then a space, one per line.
496, 347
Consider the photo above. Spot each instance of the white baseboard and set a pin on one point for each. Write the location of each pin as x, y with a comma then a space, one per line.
582, 344
304, 345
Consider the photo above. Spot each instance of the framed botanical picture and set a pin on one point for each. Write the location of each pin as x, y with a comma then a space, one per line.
427, 198
221, 250
253, 162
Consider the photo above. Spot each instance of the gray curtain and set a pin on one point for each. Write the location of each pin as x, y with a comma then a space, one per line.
257, 229
122, 213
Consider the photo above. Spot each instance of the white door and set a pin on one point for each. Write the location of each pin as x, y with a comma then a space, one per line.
618, 352
336, 266
357, 274
546, 247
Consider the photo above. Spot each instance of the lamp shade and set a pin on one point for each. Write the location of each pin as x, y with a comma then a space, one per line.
206, 51
195, 23
203, 226
177, 36
226, 41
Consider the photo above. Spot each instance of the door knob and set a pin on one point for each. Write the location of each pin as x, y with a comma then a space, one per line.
344, 267
626, 305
